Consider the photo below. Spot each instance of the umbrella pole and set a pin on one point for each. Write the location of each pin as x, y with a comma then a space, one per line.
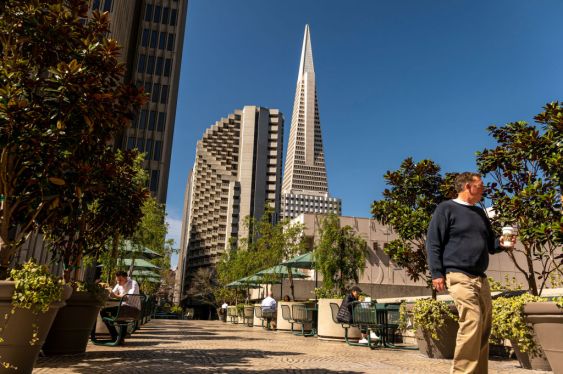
315, 283
281, 288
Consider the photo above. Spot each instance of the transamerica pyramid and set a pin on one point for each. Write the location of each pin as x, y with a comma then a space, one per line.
305, 186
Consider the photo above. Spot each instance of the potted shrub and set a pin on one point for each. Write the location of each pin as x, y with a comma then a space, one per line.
436, 327
509, 323
28, 304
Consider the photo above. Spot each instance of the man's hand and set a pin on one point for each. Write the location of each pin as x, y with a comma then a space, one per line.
439, 284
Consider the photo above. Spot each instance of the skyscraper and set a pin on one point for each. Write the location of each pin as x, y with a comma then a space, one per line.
305, 186
151, 33
236, 174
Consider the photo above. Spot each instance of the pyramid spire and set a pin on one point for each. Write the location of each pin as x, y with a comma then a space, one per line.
306, 64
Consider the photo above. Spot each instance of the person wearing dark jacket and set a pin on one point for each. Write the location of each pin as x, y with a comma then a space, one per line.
459, 241
345, 312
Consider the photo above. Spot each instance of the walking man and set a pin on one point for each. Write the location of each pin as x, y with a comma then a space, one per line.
459, 240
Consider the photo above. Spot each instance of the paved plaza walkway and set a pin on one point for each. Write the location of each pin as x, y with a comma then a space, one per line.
169, 346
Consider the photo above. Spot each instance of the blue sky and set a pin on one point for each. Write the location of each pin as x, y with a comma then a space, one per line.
421, 78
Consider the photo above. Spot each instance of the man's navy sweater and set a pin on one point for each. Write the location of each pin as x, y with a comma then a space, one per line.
460, 238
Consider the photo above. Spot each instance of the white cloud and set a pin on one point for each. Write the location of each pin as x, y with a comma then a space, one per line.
174, 232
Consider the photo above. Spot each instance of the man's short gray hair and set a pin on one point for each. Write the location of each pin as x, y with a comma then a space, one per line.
463, 178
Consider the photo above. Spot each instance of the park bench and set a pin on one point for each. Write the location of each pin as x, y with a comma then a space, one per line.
125, 321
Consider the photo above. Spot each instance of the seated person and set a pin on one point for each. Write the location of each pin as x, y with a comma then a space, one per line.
286, 298
345, 313
129, 308
269, 308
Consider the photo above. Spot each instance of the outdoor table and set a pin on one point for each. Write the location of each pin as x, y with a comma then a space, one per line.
314, 309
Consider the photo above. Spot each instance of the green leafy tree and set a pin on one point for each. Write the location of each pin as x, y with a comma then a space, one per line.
61, 101
407, 206
524, 170
340, 254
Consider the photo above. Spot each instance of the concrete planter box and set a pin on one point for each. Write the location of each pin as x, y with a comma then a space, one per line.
282, 324
17, 333
327, 329
547, 319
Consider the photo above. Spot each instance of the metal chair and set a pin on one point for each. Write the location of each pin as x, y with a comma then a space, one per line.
248, 315
232, 314
364, 316
286, 315
268, 315
302, 316
258, 314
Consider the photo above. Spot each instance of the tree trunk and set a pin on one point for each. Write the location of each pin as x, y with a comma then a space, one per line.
290, 277
532, 285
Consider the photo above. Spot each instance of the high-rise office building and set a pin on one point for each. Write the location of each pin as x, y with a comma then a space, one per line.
151, 33
305, 186
236, 174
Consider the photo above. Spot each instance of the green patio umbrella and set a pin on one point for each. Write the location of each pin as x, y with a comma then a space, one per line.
305, 261
282, 270
138, 263
145, 252
146, 275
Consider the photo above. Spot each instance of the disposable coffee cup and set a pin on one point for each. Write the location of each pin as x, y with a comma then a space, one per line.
508, 234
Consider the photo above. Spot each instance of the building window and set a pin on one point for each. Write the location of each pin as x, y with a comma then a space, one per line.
148, 12
173, 16
161, 121
165, 15
145, 38
152, 120
141, 64
154, 37
148, 150
157, 150
159, 63
150, 65
154, 180
130, 142
143, 119
157, 12
141, 145
107, 5
148, 87
164, 95
96, 5
167, 67
170, 42
155, 92
162, 42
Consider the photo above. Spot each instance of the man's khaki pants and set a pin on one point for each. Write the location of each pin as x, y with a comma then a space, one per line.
472, 297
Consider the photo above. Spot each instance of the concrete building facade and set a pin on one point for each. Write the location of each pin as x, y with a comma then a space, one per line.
236, 174
305, 186
151, 33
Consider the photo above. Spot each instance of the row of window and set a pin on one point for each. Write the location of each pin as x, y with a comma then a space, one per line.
155, 176
152, 39
96, 5
161, 14
158, 93
152, 149
154, 65
156, 120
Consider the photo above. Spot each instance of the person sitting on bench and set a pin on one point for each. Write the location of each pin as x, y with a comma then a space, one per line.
129, 308
269, 308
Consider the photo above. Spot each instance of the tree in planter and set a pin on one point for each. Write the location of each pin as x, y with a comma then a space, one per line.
340, 254
407, 207
525, 191
58, 106
107, 205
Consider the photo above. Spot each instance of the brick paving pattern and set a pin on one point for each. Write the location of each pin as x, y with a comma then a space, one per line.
169, 346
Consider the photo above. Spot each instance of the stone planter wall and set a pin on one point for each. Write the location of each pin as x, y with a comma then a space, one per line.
547, 319
327, 329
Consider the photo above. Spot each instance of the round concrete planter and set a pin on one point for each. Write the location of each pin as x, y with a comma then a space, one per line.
547, 319
17, 333
443, 348
283, 325
73, 324
327, 329
530, 362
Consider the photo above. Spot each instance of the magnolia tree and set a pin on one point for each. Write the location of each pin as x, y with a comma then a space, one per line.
340, 254
524, 170
407, 206
61, 101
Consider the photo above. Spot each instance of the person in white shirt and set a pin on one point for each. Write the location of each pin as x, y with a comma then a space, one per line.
130, 307
269, 307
